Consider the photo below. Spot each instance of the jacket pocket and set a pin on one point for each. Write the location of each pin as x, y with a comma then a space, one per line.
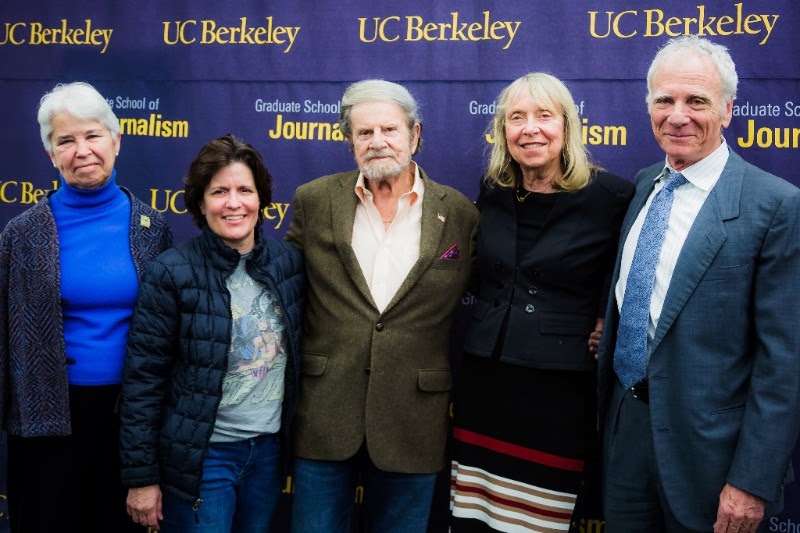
314, 364
564, 324
727, 410
447, 264
561, 342
434, 380
728, 272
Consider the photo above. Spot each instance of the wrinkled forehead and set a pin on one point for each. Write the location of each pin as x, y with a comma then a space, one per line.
377, 112
690, 65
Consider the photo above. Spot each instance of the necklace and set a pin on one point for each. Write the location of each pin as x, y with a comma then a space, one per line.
386, 221
523, 197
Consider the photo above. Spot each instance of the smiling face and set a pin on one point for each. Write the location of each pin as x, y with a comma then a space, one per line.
687, 112
230, 206
534, 135
84, 151
382, 142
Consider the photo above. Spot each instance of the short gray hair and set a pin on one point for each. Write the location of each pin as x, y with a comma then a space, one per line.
80, 100
378, 91
701, 46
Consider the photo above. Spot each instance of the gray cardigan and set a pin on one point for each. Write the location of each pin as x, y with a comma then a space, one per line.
33, 377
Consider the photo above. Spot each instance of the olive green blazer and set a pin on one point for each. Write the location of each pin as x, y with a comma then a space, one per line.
384, 377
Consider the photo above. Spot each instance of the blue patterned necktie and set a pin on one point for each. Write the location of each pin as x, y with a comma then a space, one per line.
630, 355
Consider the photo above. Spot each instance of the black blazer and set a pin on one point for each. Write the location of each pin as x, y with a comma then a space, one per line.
552, 295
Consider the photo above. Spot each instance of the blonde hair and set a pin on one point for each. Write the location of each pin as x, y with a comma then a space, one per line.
549, 92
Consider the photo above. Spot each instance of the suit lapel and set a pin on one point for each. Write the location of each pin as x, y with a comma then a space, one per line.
644, 186
704, 240
434, 217
343, 203
643, 190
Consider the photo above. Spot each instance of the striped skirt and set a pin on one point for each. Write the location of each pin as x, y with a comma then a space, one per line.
521, 438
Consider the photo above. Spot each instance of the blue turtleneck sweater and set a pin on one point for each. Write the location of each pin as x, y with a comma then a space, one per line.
98, 279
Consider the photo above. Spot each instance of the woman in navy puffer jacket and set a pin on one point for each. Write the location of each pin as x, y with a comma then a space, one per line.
212, 369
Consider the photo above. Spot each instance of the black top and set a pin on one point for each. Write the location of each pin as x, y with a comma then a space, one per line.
532, 213
544, 301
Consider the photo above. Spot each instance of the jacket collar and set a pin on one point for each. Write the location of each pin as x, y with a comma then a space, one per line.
226, 258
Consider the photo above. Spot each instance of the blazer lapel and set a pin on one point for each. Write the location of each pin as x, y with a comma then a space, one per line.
704, 240
644, 187
343, 203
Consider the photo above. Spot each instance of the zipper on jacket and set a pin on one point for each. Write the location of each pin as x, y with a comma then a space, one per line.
197, 503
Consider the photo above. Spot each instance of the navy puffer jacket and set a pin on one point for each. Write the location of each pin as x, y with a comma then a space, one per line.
178, 356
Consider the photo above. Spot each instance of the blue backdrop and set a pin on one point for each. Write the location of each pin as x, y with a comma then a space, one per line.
181, 73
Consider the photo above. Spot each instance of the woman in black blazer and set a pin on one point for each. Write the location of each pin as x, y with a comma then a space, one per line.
525, 409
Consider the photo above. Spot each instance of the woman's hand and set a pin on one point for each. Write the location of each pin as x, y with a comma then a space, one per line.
144, 505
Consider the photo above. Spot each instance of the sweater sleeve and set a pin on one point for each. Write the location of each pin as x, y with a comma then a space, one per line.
5, 255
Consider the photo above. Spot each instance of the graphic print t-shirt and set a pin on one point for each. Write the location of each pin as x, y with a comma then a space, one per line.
252, 392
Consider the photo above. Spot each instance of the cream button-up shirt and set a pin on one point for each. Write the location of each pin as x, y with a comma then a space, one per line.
386, 255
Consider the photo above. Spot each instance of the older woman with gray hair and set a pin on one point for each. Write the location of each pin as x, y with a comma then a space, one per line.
69, 277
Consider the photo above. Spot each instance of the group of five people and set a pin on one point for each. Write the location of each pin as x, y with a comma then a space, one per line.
179, 385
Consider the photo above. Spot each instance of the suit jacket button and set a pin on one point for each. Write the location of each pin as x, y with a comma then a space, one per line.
367, 371
532, 290
529, 308
379, 326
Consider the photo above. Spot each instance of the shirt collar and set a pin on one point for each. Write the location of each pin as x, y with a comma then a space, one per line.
705, 173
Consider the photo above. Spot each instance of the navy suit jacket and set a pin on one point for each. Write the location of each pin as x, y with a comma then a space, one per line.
724, 371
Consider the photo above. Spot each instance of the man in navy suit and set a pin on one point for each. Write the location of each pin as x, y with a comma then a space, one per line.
700, 399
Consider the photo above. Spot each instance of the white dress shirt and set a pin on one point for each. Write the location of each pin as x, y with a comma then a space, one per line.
688, 199
386, 254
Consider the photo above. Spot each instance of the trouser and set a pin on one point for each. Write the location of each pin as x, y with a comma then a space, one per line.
71, 483
324, 497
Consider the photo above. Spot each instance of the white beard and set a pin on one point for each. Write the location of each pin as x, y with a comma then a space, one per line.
383, 171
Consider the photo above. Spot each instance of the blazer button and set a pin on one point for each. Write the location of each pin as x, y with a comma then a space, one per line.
367, 371
532, 290
529, 308
379, 326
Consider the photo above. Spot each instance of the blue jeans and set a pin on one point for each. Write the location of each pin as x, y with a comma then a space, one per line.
324, 497
240, 489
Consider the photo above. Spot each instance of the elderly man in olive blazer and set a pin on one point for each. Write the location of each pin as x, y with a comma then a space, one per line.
388, 253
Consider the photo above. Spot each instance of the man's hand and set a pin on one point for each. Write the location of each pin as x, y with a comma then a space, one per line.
739, 511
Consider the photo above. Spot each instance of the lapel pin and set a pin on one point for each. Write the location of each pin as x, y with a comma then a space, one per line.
440, 217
